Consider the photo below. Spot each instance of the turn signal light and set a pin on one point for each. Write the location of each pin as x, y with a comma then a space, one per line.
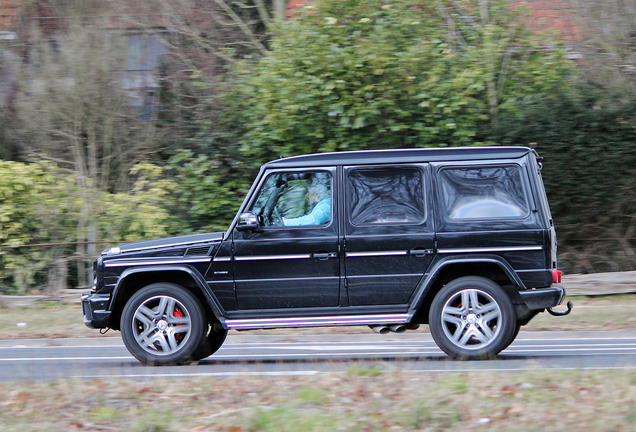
556, 276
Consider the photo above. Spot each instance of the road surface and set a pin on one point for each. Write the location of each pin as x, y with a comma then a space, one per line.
244, 354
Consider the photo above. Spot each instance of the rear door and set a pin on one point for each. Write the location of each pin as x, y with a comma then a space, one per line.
389, 238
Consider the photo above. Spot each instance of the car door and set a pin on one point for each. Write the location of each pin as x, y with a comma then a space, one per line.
389, 238
292, 260
487, 208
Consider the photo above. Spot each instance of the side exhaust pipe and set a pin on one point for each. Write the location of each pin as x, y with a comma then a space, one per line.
382, 329
398, 328
395, 328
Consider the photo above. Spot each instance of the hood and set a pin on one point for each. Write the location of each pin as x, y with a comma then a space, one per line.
168, 242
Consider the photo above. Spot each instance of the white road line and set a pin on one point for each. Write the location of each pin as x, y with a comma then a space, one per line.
407, 347
558, 349
27, 359
383, 347
529, 368
582, 351
197, 374
239, 357
353, 345
62, 346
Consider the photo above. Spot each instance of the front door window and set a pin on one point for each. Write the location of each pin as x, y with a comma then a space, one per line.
295, 199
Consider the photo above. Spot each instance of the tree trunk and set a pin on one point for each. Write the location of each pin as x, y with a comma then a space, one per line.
280, 9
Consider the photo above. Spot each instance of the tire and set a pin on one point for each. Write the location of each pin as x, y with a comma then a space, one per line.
514, 336
163, 324
472, 318
210, 344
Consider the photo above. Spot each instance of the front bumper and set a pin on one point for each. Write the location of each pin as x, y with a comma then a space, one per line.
543, 298
94, 309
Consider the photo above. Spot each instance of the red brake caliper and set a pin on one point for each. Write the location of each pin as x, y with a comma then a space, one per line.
178, 314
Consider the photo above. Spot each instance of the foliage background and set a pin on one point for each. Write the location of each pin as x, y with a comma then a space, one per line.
352, 75
40, 204
587, 141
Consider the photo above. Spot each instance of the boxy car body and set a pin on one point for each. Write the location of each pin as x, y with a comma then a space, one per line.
461, 239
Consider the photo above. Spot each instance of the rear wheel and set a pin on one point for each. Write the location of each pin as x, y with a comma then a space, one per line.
163, 324
472, 318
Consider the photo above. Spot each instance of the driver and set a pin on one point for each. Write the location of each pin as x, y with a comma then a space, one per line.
320, 201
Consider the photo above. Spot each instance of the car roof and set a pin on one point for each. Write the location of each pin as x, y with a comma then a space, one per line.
378, 157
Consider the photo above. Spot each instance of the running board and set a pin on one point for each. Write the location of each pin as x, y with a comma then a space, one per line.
316, 321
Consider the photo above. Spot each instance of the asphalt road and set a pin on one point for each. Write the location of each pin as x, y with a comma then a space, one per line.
244, 354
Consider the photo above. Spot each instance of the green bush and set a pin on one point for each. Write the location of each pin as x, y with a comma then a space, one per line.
36, 206
40, 204
142, 213
360, 74
208, 191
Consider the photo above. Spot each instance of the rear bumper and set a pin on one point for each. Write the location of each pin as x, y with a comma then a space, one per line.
94, 309
543, 298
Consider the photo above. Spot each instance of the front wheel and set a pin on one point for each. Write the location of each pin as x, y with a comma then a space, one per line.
211, 344
472, 318
163, 324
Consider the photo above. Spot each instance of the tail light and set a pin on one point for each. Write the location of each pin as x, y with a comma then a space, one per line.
556, 276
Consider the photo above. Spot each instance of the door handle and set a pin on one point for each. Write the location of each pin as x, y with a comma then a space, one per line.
421, 252
325, 256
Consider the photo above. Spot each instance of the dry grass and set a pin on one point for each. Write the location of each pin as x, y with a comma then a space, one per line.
53, 320
49, 320
358, 400
614, 312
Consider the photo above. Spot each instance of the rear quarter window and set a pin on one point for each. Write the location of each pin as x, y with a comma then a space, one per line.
484, 192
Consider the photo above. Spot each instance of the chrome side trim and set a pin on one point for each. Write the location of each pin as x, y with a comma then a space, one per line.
381, 253
491, 249
255, 281
316, 321
271, 257
392, 276
174, 244
222, 259
157, 262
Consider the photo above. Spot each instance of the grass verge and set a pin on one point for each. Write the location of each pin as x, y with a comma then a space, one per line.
353, 401
54, 320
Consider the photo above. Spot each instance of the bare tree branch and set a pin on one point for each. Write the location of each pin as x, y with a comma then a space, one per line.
262, 12
243, 26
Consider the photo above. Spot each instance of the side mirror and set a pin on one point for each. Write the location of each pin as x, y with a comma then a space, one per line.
247, 221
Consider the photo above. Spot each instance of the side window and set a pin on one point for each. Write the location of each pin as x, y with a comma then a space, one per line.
295, 199
483, 192
381, 196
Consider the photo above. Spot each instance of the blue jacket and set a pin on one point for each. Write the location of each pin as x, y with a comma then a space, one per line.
319, 215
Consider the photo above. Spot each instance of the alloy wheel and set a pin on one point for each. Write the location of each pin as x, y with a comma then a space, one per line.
161, 325
471, 319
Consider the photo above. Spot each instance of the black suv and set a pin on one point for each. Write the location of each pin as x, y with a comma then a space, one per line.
460, 239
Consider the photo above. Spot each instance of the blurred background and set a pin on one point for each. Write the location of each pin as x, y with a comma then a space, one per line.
124, 120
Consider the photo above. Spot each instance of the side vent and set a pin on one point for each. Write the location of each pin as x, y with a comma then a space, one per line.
202, 250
